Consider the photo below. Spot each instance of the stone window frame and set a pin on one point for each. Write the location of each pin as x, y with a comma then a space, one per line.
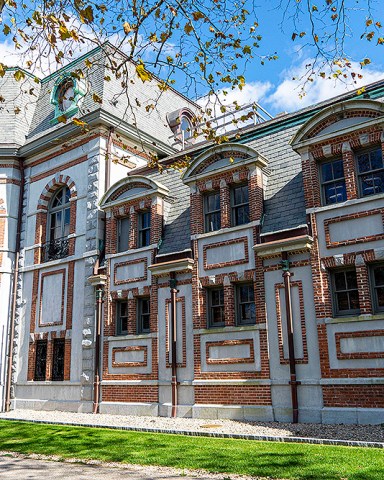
58, 182
337, 312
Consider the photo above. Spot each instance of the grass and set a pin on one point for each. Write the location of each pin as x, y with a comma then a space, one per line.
266, 459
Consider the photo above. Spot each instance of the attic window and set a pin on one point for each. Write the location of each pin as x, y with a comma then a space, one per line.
185, 128
66, 95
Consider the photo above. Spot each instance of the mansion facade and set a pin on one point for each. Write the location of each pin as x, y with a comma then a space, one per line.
250, 285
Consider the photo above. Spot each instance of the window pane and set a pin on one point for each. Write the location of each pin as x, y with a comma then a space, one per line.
41, 360
354, 300
335, 192
338, 170
363, 163
217, 315
351, 280
123, 234
340, 281
379, 276
342, 301
376, 159
58, 360
326, 172
380, 297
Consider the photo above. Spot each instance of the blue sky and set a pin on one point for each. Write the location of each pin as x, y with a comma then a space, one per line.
271, 84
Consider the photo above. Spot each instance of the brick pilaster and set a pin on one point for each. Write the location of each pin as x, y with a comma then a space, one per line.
349, 171
225, 204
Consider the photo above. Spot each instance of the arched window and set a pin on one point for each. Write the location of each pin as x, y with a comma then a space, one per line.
66, 95
58, 225
185, 128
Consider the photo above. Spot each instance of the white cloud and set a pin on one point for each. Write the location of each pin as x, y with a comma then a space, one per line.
287, 95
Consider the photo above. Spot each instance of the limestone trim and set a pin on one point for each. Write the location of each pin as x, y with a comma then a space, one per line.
133, 348
358, 355
211, 266
136, 261
230, 361
44, 275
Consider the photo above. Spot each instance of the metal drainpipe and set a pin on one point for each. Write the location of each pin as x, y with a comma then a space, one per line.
173, 324
99, 305
291, 346
108, 160
14, 290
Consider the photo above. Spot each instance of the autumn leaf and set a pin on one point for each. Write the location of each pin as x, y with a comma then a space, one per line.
19, 75
96, 98
80, 123
361, 91
62, 119
17, 110
143, 73
3, 69
127, 28
188, 28
198, 15
86, 15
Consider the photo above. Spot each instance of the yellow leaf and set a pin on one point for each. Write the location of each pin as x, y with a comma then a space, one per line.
188, 28
64, 32
96, 98
86, 15
153, 37
19, 75
3, 69
127, 28
88, 63
6, 30
62, 119
17, 110
79, 123
143, 73
198, 15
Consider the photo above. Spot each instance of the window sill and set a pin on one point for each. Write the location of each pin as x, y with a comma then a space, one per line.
355, 201
355, 318
115, 338
131, 251
246, 226
231, 329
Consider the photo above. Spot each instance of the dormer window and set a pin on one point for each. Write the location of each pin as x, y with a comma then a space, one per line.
371, 172
185, 128
66, 95
333, 182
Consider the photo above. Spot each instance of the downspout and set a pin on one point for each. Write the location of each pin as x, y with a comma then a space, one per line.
108, 160
173, 325
291, 346
99, 306
98, 281
14, 290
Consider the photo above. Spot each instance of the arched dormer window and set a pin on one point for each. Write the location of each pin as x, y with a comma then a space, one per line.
67, 95
183, 126
58, 225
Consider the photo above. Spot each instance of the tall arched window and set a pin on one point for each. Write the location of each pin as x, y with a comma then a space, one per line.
58, 225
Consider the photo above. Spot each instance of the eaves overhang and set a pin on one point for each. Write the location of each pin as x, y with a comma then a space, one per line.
303, 243
177, 266
93, 119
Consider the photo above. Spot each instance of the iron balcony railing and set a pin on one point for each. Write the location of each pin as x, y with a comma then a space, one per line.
55, 249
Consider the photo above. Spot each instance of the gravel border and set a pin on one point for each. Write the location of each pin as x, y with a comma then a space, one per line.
274, 432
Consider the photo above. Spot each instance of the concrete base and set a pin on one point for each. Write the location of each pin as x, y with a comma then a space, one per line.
182, 411
64, 406
139, 409
232, 412
362, 416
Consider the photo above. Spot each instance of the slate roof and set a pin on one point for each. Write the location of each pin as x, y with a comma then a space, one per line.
129, 106
176, 235
19, 100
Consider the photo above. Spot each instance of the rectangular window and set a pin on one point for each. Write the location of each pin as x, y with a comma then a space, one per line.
370, 169
123, 226
212, 212
345, 292
216, 316
144, 229
58, 360
143, 315
333, 182
122, 318
240, 205
378, 287
41, 360
246, 309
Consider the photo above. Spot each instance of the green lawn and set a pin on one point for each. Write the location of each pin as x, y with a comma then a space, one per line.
267, 459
